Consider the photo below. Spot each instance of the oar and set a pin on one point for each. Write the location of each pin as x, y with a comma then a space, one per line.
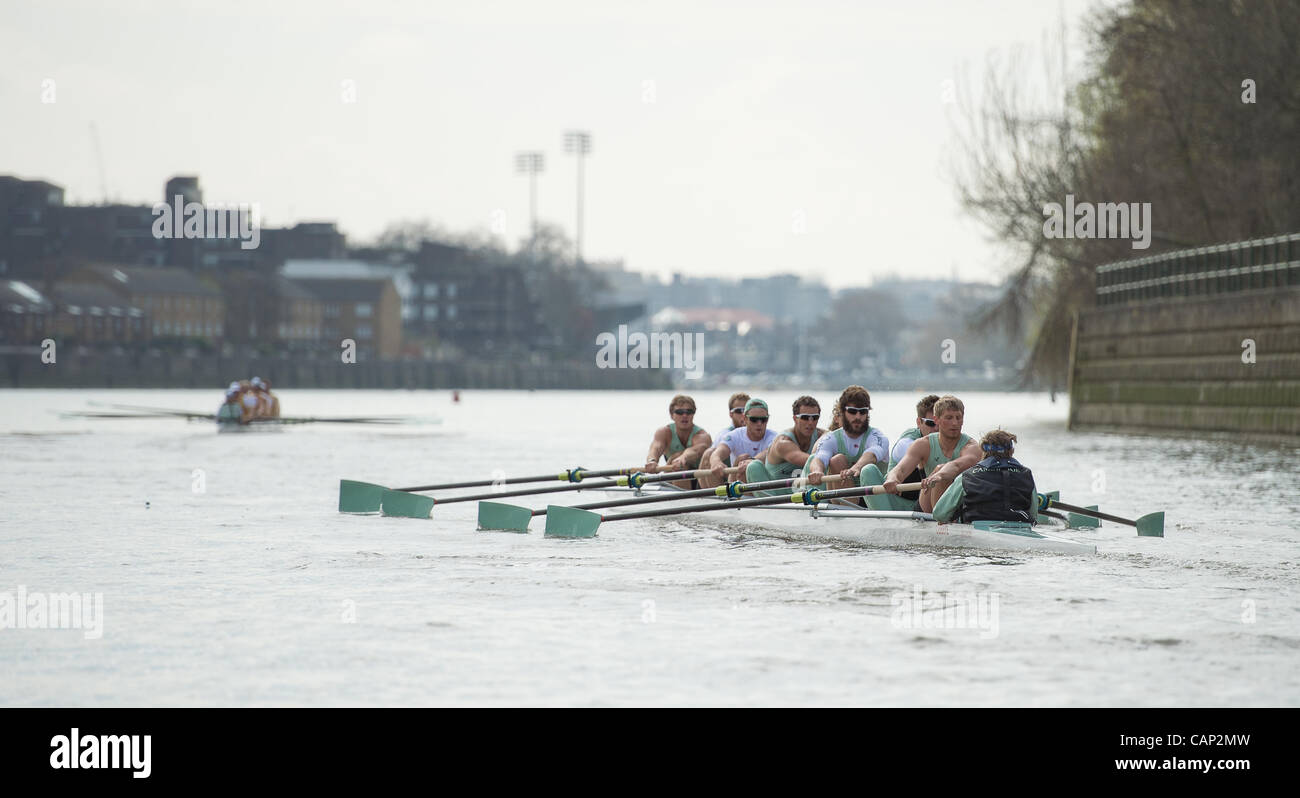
404, 504
570, 522
1151, 525
513, 518
366, 497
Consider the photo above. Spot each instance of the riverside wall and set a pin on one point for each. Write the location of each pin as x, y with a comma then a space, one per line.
23, 368
1224, 363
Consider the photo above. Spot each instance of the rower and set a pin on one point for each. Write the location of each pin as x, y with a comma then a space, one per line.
267, 405
736, 412
272, 398
248, 398
997, 488
855, 449
944, 454
791, 449
680, 443
925, 424
231, 411
740, 446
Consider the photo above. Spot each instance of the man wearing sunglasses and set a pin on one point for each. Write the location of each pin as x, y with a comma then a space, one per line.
736, 412
681, 443
943, 454
791, 449
740, 446
925, 424
853, 450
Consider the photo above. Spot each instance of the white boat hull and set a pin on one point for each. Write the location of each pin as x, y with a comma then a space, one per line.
869, 528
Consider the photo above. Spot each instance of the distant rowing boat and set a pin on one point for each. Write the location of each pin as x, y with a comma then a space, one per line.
227, 424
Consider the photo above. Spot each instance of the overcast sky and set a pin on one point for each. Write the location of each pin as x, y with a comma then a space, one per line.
729, 139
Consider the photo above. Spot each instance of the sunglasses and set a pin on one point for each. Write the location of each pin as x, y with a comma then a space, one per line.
856, 411
737, 410
807, 416
757, 419
681, 412
929, 422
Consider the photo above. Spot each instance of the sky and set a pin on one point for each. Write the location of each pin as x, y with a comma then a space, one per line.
728, 138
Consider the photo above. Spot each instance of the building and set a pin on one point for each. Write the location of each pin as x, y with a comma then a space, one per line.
26, 315
301, 315
179, 303
29, 226
89, 314
365, 310
472, 301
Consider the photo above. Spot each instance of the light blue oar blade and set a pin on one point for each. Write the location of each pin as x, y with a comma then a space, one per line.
570, 522
359, 497
401, 504
1076, 521
505, 517
1151, 525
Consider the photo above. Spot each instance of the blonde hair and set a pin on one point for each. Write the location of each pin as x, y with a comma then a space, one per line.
947, 403
681, 400
737, 397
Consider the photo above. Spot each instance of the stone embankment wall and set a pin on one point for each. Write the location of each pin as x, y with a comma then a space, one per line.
1222, 363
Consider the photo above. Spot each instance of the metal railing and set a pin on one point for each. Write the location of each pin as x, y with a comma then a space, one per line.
1205, 271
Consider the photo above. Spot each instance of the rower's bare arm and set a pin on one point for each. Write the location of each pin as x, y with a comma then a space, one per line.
658, 445
788, 451
970, 455
719, 459
692, 455
917, 453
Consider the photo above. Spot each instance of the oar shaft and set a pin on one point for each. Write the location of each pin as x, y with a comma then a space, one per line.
483, 483
529, 492
748, 487
759, 502
1092, 513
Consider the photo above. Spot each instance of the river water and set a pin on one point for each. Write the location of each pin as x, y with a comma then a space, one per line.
227, 576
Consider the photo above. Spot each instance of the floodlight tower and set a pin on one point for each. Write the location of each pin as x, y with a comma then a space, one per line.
531, 164
578, 142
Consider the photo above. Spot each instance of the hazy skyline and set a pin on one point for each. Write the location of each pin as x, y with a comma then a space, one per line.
728, 140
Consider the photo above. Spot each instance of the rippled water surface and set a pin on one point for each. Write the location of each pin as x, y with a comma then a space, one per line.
229, 578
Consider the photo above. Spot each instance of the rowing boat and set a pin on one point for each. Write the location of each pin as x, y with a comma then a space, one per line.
883, 528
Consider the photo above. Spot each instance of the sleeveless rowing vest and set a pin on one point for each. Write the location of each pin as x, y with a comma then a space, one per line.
228, 412
937, 457
783, 469
997, 490
675, 444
